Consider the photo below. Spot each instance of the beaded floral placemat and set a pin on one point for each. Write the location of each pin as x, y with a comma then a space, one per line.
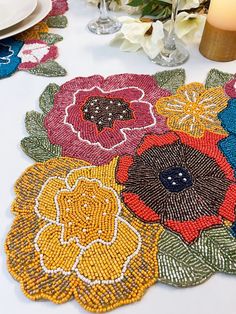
134, 184
34, 50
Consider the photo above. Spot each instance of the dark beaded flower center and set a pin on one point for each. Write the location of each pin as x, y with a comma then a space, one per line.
176, 179
105, 111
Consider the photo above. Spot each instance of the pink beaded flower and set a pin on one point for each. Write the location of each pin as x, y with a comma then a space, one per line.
96, 119
230, 88
59, 7
35, 52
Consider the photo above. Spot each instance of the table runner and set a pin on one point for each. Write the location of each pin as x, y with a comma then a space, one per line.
34, 50
148, 196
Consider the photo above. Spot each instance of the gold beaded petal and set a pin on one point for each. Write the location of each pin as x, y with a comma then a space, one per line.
72, 237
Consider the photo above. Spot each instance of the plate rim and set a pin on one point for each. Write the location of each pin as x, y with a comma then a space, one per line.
12, 31
23, 16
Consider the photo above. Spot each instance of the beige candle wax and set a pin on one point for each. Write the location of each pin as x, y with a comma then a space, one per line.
222, 14
219, 37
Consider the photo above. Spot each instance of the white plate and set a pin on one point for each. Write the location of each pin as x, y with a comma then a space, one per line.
14, 11
42, 9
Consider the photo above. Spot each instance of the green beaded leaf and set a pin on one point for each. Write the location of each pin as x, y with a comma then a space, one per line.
50, 38
171, 79
39, 148
178, 264
46, 100
59, 21
49, 68
184, 265
218, 247
34, 122
217, 78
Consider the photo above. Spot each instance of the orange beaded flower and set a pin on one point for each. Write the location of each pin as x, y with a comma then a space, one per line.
33, 32
72, 237
193, 109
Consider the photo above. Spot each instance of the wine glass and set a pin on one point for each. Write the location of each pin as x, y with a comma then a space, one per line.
173, 53
104, 24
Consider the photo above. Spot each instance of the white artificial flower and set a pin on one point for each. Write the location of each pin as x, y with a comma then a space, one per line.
95, 2
188, 27
135, 34
122, 5
186, 4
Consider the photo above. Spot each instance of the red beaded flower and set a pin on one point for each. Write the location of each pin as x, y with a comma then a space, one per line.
230, 88
59, 7
96, 119
182, 182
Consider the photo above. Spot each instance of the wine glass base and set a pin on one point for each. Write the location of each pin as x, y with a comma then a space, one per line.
104, 26
177, 57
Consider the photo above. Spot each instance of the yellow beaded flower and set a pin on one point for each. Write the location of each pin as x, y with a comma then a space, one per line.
33, 32
193, 109
72, 237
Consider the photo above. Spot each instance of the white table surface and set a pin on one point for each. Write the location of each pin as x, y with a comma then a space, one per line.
84, 54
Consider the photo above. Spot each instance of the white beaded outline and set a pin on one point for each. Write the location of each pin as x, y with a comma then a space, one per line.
83, 248
121, 130
8, 58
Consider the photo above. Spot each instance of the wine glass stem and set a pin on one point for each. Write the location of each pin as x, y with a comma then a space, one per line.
170, 39
103, 10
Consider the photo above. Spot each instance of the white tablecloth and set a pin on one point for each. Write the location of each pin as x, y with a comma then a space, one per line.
84, 54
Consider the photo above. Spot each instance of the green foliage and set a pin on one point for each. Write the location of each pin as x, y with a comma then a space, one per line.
217, 78
37, 145
50, 38
39, 148
160, 9
185, 265
34, 123
47, 98
171, 79
58, 21
49, 68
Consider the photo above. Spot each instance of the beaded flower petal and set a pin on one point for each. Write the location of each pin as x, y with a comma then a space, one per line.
72, 237
36, 52
228, 144
193, 109
152, 204
230, 88
181, 182
96, 119
59, 7
33, 32
9, 59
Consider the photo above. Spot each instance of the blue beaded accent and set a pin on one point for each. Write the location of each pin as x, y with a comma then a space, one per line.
176, 179
233, 229
9, 61
228, 121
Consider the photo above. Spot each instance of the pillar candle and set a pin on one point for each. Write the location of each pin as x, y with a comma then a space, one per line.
222, 14
219, 37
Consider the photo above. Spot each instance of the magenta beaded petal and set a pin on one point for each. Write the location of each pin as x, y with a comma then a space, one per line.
96, 118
